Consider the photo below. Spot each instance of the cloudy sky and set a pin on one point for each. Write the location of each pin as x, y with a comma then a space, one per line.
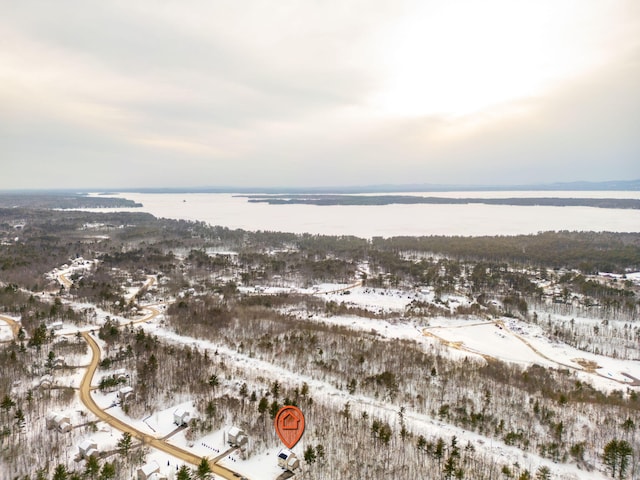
317, 93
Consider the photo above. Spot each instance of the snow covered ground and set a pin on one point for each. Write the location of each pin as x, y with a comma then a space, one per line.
518, 342
506, 339
325, 392
161, 424
6, 334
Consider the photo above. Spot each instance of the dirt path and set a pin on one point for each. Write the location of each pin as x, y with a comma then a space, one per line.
151, 280
62, 278
344, 289
15, 326
89, 402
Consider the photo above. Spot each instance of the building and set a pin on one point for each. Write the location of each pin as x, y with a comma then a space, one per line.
87, 449
288, 460
125, 393
236, 437
58, 421
147, 472
181, 417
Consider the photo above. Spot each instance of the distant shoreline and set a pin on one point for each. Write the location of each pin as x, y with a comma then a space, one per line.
352, 200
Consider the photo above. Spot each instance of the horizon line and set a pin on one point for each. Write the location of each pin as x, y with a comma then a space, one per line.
375, 188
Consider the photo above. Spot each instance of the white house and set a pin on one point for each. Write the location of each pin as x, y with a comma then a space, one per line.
124, 393
147, 471
288, 460
236, 437
59, 422
181, 417
88, 448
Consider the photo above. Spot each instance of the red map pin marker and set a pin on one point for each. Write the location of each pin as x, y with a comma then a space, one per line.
289, 425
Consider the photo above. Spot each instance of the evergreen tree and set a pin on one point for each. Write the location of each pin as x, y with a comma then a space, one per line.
108, 471
60, 473
184, 473
203, 471
273, 409
263, 405
309, 455
125, 444
7, 403
543, 473
92, 468
616, 456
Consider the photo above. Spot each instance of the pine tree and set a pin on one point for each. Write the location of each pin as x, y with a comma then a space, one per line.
125, 444
184, 473
309, 455
7, 403
92, 468
203, 471
616, 455
624, 453
108, 471
273, 409
263, 405
60, 473
543, 473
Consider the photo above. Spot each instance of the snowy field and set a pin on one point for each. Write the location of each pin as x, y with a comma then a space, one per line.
505, 339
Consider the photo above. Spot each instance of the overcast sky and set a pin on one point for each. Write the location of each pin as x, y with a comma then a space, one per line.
317, 93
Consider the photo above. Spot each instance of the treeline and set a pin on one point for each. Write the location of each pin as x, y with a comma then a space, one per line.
376, 200
62, 200
589, 252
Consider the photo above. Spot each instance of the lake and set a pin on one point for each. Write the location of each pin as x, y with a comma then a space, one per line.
234, 211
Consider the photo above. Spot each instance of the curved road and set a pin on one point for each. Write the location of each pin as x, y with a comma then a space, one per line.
87, 399
89, 402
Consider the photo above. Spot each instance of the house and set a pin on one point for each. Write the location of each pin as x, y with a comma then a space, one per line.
87, 449
181, 417
58, 362
147, 471
59, 422
288, 460
124, 393
56, 326
236, 437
